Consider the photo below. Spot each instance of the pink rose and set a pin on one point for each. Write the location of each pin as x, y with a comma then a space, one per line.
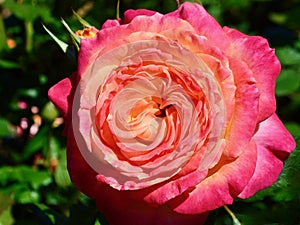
170, 116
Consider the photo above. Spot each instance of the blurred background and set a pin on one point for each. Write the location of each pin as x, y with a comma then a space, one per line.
34, 184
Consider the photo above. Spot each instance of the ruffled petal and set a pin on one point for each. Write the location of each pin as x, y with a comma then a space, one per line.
243, 122
58, 95
174, 188
130, 14
261, 60
272, 135
204, 23
274, 144
110, 23
226, 181
267, 170
61, 94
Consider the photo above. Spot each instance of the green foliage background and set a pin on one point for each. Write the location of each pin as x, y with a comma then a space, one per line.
34, 184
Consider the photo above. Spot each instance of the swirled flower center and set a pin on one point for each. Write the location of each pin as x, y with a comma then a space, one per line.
144, 110
142, 117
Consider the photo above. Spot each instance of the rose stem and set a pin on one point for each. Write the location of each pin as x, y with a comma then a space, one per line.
235, 220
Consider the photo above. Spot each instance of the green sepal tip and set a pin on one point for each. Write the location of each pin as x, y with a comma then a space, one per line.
75, 38
81, 20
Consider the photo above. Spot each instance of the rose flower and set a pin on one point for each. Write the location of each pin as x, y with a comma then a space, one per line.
171, 116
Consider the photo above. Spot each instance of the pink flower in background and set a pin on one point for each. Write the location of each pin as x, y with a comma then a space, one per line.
171, 116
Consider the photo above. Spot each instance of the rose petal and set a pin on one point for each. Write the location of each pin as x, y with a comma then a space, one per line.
261, 60
267, 170
272, 135
175, 187
59, 93
110, 23
243, 123
226, 181
130, 14
129, 206
274, 145
204, 23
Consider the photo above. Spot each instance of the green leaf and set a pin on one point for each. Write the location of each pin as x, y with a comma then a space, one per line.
5, 64
288, 56
12, 188
26, 11
24, 174
27, 196
288, 185
43, 79
293, 128
3, 38
4, 174
61, 174
287, 82
6, 203
39, 141
6, 128
31, 92
6, 217
279, 18
54, 147
97, 222
37, 178
49, 111
269, 213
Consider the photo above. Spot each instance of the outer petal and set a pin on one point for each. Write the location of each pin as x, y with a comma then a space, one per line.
174, 188
62, 95
243, 123
204, 23
272, 135
130, 14
110, 23
59, 93
113, 36
274, 144
227, 180
261, 60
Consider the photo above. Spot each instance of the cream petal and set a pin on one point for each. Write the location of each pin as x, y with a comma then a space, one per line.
108, 87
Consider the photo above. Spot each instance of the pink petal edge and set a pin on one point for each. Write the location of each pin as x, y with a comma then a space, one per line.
221, 187
59, 93
274, 144
255, 52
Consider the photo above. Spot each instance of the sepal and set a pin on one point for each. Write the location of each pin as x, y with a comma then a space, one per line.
83, 22
75, 38
69, 50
